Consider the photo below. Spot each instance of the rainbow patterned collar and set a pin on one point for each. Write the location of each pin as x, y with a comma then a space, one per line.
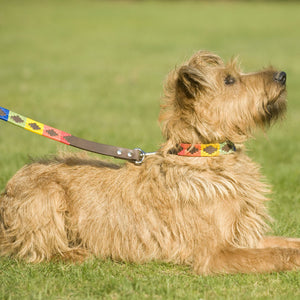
204, 150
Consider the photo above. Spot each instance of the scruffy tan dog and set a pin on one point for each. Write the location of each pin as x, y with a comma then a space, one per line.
199, 201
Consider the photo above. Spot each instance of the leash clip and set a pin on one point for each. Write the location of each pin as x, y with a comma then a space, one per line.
143, 154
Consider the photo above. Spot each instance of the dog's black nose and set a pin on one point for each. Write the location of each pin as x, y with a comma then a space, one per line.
280, 77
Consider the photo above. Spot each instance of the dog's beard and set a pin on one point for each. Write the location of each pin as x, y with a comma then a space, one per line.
275, 108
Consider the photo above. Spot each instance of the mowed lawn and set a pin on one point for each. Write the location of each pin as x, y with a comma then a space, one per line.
96, 69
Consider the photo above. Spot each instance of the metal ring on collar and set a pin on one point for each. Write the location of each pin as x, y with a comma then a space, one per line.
143, 154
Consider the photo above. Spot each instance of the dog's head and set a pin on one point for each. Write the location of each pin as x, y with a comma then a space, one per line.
208, 101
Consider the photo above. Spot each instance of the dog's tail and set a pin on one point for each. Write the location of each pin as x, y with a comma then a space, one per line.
32, 226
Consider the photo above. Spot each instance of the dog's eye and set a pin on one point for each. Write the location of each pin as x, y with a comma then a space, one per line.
229, 80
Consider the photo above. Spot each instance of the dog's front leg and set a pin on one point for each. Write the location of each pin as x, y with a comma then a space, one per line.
281, 242
244, 260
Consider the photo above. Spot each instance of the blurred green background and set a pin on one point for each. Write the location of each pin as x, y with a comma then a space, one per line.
96, 69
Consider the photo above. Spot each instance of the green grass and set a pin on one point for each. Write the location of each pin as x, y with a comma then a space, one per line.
95, 69
108, 280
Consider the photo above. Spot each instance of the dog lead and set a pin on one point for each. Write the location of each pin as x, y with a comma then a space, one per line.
136, 155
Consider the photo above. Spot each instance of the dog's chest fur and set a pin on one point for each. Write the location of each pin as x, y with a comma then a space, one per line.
225, 193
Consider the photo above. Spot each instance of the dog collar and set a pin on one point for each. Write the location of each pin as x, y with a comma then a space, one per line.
204, 150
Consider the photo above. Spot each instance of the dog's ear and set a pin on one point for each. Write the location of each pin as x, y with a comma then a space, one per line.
190, 82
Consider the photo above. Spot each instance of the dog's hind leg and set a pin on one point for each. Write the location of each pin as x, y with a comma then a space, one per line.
277, 241
241, 260
33, 223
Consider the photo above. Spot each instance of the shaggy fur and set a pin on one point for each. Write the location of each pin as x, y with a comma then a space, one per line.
207, 212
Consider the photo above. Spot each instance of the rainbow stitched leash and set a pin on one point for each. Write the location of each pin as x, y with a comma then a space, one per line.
135, 155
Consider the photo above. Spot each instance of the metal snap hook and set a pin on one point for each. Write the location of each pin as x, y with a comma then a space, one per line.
143, 154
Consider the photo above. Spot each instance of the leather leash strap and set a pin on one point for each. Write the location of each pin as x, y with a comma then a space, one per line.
117, 152
134, 155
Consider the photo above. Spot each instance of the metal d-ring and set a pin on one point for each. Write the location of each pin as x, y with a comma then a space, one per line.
143, 154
